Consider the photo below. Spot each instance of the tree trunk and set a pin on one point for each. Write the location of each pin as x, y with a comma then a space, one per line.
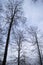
7, 43
39, 52
19, 54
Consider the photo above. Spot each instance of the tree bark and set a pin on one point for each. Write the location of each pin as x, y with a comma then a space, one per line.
7, 43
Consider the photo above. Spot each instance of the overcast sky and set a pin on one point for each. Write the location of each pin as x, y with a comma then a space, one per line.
34, 12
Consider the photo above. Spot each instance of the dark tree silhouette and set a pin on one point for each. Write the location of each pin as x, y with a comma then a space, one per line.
13, 12
34, 32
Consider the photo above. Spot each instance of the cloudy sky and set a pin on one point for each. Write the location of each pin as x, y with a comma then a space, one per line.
34, 12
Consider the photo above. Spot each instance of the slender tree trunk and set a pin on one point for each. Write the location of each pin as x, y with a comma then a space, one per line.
19, 54
39, 52
7, 43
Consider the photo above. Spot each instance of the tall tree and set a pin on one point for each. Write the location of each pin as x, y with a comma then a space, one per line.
33, 31
19, 38
13, 13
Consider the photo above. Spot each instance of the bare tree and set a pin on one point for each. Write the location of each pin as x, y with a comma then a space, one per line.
13, 13
19, 39
33, 31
